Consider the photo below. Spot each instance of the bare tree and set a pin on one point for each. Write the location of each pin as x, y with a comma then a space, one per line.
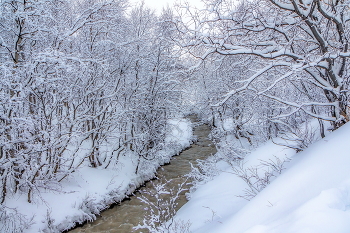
300, 51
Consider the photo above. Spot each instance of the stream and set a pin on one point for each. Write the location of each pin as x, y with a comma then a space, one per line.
130, 212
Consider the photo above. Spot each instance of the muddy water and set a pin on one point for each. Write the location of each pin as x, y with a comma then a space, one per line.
129, 213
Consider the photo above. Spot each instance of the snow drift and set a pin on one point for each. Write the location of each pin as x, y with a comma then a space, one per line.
310, 196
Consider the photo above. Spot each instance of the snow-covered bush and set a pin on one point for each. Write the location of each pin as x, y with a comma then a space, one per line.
300, 137
258, 177
13, 221
204, 171
162, 203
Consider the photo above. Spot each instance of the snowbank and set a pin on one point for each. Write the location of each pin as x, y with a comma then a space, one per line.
90, 190
312, 195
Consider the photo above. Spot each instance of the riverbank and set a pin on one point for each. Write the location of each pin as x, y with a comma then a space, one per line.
310, 195
88, 191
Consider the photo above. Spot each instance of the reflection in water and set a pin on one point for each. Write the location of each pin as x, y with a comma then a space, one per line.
129, 213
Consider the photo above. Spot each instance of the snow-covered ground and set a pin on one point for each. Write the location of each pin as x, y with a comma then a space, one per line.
89, 190
312, 195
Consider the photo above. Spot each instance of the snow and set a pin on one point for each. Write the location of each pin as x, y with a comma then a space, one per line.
312, 195
181, 133
88, 191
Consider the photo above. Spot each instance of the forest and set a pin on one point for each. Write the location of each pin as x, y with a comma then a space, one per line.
93, 84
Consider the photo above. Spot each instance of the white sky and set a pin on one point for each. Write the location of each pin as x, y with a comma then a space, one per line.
159, 4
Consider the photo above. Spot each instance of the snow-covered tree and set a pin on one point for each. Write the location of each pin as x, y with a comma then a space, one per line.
293, 52
82, 83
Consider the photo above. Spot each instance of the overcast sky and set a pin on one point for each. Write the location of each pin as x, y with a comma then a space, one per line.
159, 4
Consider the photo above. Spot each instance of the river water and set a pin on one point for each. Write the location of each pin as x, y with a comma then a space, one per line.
130, 212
